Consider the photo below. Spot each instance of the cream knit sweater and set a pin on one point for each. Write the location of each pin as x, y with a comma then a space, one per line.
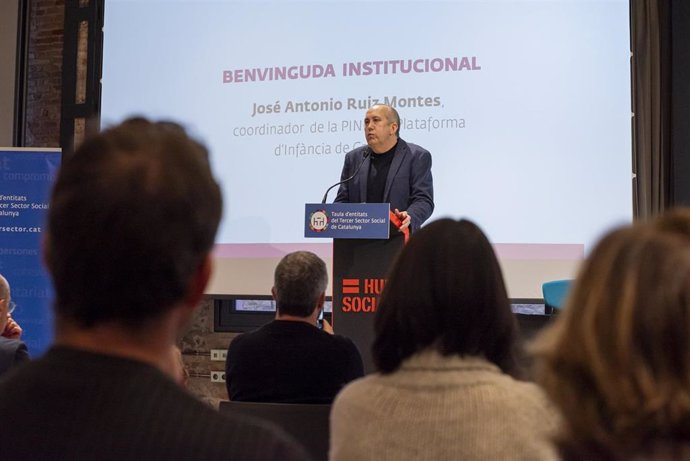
438, 408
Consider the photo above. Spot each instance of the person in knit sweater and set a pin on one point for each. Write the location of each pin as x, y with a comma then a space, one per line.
617, 360
444, 348
131, 224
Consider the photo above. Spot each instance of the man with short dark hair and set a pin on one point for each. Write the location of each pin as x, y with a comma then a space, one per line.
131, 224
290, 360
12, 350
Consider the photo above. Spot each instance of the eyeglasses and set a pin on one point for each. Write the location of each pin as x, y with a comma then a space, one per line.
10, 307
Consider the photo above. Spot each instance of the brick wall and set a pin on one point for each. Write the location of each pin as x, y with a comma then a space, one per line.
44, 77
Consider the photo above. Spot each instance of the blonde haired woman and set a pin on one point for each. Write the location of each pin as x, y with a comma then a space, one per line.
617, 360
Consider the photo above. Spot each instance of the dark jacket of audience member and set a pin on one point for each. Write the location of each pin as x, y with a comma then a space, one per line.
445, 341
617, 361
12, 353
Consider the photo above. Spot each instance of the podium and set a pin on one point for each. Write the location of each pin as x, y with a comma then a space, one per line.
365, 244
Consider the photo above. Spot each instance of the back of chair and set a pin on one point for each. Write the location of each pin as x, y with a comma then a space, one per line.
307, 423
555, 293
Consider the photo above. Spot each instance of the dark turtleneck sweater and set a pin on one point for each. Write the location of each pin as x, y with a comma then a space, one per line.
378, 173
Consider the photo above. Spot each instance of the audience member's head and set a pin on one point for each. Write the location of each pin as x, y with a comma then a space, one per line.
9, 328
676, 220
132, 219
299, 284
5, 300
15, 352
617, 360
446, 292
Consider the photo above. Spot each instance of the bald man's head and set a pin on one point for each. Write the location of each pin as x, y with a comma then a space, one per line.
381, 127
4, 303
4, 289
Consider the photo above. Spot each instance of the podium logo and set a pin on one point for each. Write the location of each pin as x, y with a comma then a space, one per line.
351, 286
361, 295
318, 221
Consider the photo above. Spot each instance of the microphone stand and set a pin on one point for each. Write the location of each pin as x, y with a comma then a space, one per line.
367, 152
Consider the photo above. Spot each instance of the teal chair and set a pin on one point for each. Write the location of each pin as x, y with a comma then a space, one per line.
555, 293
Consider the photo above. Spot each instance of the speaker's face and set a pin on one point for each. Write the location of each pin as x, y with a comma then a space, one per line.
378, 130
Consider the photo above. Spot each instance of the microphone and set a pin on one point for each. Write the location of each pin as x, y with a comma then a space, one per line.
366, 154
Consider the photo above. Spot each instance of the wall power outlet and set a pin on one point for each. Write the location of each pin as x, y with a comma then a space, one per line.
218, 355
217, 376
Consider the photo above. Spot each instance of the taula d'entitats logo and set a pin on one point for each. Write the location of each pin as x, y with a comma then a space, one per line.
318, 221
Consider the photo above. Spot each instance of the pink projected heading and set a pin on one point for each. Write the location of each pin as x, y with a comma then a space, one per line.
353, 69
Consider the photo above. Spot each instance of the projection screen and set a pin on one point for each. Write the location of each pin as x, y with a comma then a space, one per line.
524, 106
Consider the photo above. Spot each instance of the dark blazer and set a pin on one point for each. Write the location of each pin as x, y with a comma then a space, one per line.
12, 353
409, 186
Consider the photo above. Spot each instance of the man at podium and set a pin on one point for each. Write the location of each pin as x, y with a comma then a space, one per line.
389, 170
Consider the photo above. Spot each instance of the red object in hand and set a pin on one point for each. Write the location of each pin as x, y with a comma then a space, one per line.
397, 222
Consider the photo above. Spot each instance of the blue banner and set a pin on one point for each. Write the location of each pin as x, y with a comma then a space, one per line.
347, 220
26, 179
